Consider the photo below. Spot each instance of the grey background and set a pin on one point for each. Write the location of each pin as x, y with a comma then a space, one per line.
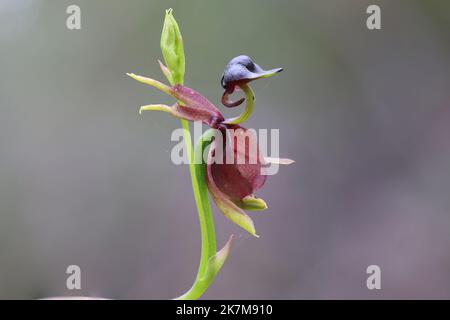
85, 180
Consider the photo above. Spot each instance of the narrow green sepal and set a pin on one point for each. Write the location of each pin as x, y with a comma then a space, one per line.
152, 82
156, 107
166, 72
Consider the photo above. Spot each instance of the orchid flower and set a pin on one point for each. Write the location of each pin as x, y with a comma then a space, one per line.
231, 185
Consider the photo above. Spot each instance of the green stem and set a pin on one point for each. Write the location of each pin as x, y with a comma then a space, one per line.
197, 168
250, 98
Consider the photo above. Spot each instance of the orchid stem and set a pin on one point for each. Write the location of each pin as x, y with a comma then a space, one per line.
210, 261
197, 168
250, 98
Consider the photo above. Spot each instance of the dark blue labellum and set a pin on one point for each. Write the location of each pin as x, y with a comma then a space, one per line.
242, 69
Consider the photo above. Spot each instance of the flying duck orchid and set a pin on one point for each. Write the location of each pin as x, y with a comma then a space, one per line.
231, 183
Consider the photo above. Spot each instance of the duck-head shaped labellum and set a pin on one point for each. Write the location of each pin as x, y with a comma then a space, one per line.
232, 185
241, 70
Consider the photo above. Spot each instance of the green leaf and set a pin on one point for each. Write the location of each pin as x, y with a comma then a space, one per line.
216, 262
212, 268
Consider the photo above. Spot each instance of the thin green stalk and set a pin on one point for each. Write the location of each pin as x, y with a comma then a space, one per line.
250, 98
207, 220
211, 261
197, 168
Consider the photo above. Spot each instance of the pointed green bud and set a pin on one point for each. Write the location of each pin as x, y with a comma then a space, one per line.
172, 48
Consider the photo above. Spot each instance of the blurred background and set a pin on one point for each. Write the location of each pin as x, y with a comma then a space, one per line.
85, 180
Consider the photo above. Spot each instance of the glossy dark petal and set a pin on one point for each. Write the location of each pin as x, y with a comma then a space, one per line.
195, 114
196, 107
224, 202
243, 177
228, 103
